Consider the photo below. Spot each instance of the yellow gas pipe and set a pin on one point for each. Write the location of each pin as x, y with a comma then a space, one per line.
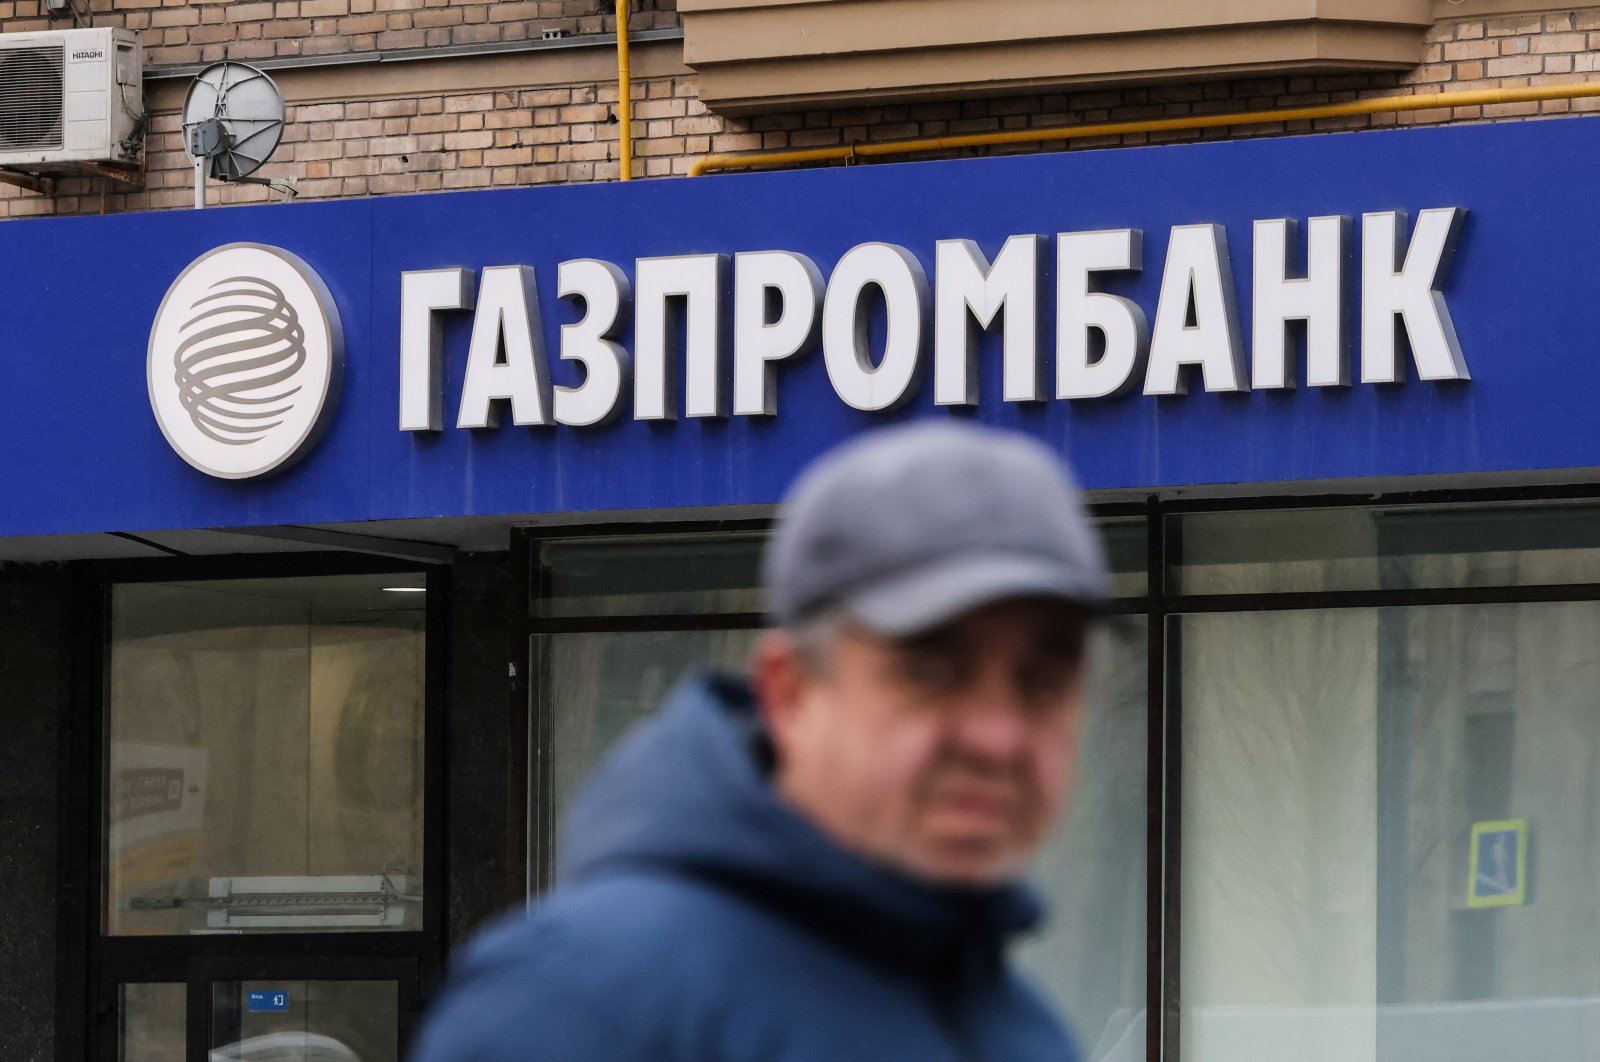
624, 96
1383, 105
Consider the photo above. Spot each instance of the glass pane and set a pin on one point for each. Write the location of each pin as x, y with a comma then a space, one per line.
151, 1023
326, 1021
1391, 834
1393, 547
1090, 957
601, 684
265, 743
658, 575
652, 575
1126, 554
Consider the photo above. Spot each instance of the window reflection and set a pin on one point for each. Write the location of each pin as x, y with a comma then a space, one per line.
1340, 768
304, 1021
151, 1022
265, 756
1091, 956
1386, 547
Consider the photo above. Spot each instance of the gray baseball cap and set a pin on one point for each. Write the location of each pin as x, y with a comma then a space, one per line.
910, 526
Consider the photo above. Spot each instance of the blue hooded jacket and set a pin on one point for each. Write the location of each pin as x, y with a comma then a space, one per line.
700, 919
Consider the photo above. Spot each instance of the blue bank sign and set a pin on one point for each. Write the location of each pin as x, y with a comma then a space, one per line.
1321, 308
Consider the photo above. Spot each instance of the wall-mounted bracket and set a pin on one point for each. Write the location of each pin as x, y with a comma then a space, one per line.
132, 176
29, 181
82, 16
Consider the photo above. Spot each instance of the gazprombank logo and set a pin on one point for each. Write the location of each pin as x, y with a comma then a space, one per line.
245, 361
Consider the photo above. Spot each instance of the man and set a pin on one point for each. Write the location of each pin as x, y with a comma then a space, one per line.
822, 865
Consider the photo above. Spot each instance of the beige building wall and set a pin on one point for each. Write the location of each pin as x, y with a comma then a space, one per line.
188, 32
521, 110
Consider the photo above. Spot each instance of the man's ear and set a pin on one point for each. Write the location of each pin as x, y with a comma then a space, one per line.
779, 677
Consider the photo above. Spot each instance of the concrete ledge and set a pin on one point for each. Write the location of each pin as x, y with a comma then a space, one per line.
765, 55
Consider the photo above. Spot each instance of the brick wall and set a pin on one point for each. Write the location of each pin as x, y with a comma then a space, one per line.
199, 31
439, 141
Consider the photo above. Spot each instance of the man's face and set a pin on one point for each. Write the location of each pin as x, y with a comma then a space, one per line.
946, 756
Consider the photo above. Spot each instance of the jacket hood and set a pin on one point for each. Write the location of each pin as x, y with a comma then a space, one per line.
686, 792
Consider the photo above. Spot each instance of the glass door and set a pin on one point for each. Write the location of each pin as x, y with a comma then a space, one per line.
152, 1021
311, 1010
269, 803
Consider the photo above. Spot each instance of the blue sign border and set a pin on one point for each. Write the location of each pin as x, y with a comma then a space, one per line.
82, 451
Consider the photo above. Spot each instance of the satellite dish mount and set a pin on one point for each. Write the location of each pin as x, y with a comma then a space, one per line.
232, 122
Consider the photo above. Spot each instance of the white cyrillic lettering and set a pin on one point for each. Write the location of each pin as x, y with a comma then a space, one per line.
1406, 298
604, 290
1317, 299
659, 284
900, 277
1197, 318
1081, 311
507, 319
423, 293
969, 295
761, 278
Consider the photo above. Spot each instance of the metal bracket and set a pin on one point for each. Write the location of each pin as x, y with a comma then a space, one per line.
289, 186
272, 903
82, 19
31, 182
255, 902
131, 176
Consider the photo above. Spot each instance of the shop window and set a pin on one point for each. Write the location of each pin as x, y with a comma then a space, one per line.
626, 619
1391, 833
1090, 955
651, 575
265, 756
1393, 547
1127, 554
600, 684
618, 621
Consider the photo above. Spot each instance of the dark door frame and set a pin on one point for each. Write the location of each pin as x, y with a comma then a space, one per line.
92, 966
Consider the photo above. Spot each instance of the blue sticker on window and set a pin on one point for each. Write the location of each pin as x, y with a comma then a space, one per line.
266, 1001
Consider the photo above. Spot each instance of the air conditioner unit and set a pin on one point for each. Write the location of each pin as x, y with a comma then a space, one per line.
70, 97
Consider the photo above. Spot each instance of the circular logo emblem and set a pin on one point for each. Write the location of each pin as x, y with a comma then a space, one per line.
245, 361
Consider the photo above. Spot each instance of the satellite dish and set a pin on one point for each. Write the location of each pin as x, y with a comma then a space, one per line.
232, 121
